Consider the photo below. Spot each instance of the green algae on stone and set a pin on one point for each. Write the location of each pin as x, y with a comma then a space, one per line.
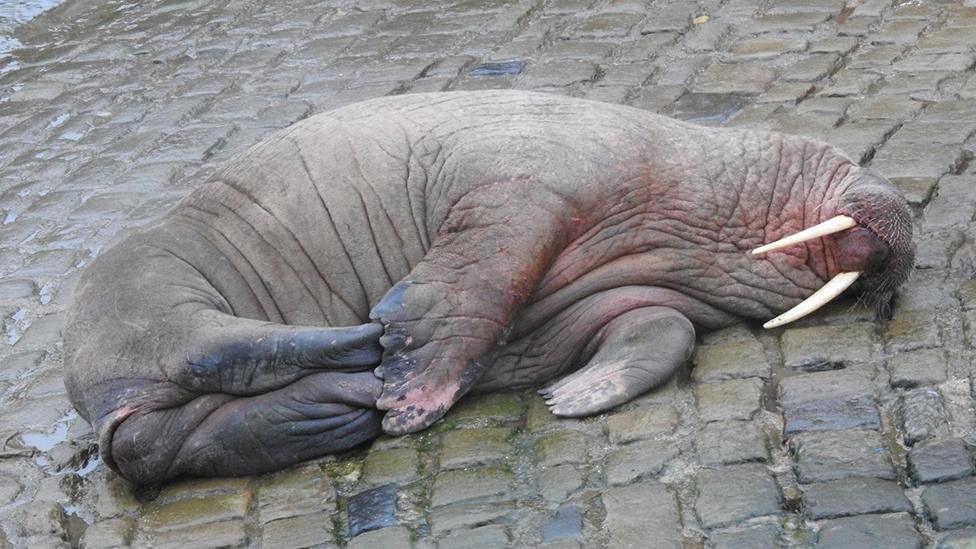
561, 447
478, 446
498, 407
346, 470
296, 491
642, 423
199, 511
393, 465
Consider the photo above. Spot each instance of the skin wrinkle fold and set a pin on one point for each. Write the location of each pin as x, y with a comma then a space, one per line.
296, 272
263, 298
332, 225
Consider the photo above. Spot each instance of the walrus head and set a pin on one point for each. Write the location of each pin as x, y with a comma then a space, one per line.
872, 245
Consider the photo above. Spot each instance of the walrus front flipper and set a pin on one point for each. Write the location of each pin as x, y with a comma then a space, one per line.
635, 352
456, 305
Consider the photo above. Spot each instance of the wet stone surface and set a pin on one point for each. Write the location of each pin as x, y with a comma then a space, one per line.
372, 509
817, 435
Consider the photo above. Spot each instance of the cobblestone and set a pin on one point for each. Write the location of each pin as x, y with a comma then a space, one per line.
940, 460
110, 114
642, 515
832, 400
832, 455
730, 495
853, 496
870, 531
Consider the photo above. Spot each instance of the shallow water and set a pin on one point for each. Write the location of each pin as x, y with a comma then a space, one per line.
14, 13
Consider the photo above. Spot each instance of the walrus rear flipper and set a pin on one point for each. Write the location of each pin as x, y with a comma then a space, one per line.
218, 435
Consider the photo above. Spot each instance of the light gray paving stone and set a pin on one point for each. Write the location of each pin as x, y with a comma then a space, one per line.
642, 515
832, 455
853, 496
870, 531
730, 495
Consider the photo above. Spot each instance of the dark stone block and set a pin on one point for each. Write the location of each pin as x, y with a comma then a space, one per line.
372, 509
854, 496
940, 460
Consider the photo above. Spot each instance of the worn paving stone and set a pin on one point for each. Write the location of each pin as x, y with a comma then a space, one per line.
736, 359
229, 533
641, 423
642, 515
396, 536
763, 536
300, 490
952, 504
940, 460
832, 455
297, 532
922, 415
471, 484
730, 495
497, 407
638, 460
108, 533
853, 496
559, 482
958, 539
392, 465
471, 447
734, 78
823, 401
733, 399
467, 515
918, 368
561, 447
820, 346
716, 447
766, 47
492, 535
199, 511
894, 531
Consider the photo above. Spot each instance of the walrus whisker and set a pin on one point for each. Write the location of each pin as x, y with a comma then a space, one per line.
821, 297
831, 226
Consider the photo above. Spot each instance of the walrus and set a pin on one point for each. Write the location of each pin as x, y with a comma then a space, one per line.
363, 269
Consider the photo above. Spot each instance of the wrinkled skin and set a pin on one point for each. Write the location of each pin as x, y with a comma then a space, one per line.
494, 239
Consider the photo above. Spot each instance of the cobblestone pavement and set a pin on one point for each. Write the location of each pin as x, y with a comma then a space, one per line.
838, 432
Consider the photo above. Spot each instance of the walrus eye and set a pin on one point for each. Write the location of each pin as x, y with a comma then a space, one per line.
831, 226
821, 297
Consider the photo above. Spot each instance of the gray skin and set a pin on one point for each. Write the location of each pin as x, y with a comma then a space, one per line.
493, 239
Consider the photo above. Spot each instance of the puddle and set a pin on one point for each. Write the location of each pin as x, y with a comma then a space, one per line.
58, 120
15, 327
46, 441
567, 524
500, 68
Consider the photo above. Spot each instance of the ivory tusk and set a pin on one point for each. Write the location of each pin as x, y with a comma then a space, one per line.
821, 297
831, 226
